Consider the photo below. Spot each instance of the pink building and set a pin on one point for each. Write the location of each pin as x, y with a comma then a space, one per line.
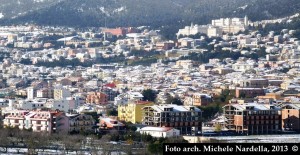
38, 121
97, 98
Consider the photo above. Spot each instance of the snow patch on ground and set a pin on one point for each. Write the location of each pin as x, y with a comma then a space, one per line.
38, 1
243, 7
120, 9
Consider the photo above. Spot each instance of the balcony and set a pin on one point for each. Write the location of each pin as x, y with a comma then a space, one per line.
37, 124
15, 124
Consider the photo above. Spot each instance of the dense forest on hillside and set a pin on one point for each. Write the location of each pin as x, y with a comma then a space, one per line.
155, 13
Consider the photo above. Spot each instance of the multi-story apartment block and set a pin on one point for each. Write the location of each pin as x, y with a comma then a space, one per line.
291, 117
81, 123
61, 93
38, 121
64, 105
132, 112
44, 93
232, 25
201, 99
249, 92
97, 98
252, 118
255, 83
31, 93
187, 119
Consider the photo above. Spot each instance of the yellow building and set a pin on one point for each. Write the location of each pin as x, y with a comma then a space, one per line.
132, 112
61, 93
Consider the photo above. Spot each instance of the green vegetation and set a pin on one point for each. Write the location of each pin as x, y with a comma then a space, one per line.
95, 116
173, 100
149, 95
37, 143
162, 15
218, 128
212, 109
112, 112
176, 101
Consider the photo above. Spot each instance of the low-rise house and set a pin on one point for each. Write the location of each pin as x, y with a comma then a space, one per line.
110, 124
160, 131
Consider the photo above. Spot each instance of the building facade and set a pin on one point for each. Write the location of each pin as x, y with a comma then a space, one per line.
132, 112
201, 99
187, 119
291, 117
249, 92
38, 121
252, 118
160, 131
81, 123
97, 98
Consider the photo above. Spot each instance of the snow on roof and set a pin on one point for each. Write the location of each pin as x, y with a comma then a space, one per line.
112, 122
68, 38
159, 129
176, 108
255, 106
295, 106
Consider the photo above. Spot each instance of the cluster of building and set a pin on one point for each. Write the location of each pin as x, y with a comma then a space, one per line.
48, 121
217, 27
265, 90
43, 40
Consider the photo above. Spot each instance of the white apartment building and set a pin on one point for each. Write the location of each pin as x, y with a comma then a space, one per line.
63, 105
36, 103
192, 30
232, 25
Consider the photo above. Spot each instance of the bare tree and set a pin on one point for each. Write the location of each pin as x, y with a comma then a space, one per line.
94, 144
79, 143
44, 140
32, 143
56, 140
107, 148
5, 140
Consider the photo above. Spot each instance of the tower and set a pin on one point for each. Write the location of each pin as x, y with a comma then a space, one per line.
246, 21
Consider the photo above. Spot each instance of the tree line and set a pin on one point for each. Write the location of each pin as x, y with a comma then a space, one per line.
130, 142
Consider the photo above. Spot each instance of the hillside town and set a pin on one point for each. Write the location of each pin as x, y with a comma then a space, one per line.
224, 78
